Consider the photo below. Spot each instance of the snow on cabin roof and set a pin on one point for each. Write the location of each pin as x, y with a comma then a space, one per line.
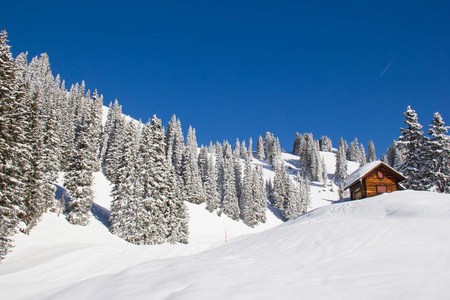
361, 172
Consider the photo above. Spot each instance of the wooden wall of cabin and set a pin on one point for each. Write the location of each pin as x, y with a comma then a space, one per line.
372, 180
358, 187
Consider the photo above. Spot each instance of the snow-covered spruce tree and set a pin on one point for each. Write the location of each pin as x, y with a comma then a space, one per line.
394, 156
43, 85
280, 187
304, 193
203, 164
310, 157
219, 169
112, 157
96, 111
237, 175
260, 149
317, 163
324, 174
11, 186
253, 196
268, 140
246, 199
175, 144
79, 176
250, 148
193, 188
259, 195
128, 217
341, 168
362, 155
163, 195
211, 189
244, 150
38, 190
412, 142
437, 174
229, 203
293, 206
237, 149
275, 155
355, 153
106, 132
371, 155
297, 144
347, 150
325, 144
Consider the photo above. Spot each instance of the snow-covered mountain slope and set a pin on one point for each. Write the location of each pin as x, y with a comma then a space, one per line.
394, 246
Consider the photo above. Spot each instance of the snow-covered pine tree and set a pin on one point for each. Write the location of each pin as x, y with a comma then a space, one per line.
229, 203
355, 153
246, 201
42, 82
297, 144
237, 149
280, 188
362, 155
253, 196
250, 148
96, 110
437, 174
275, 156
211, 189
106, 132
79, 176
310, 157
269, 140
193, 188
293, 206
175, 144
324, 174
203, 164
341, 168
304, 193
259, 195
371, 154
394, 156
128, 217
11, 186
260, 149
325, 144
244, 151
163, 193
38, 189
412, 142
111, 159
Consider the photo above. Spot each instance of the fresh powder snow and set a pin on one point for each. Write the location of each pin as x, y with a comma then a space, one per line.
393, 246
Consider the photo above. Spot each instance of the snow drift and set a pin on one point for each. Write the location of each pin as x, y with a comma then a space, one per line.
394, 246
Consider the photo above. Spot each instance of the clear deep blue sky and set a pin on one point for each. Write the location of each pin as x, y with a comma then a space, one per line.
236, 69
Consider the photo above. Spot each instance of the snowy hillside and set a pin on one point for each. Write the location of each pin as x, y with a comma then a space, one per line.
394, 246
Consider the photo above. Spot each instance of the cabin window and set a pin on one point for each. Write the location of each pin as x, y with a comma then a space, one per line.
380, 175
381, 189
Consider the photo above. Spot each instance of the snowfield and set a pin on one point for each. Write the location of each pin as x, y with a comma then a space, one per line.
393, 246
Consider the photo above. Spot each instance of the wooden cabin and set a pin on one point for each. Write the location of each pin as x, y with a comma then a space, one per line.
373, 179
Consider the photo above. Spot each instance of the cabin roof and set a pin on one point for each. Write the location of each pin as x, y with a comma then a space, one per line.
365, 170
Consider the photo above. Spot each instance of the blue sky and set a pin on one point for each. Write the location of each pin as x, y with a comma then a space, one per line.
236, 69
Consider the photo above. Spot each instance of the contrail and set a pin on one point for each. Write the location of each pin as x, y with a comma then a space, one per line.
387, 67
